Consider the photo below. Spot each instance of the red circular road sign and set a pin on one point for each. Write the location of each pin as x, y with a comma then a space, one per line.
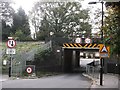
11, 43
29, 70
87, 40
78, 40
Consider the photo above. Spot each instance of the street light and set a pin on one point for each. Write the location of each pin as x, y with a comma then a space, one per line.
92, 2
101, 60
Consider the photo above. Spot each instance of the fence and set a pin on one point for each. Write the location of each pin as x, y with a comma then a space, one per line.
93, 71
19, 61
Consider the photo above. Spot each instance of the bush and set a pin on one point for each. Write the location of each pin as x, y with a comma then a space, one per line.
43, 57
46, 61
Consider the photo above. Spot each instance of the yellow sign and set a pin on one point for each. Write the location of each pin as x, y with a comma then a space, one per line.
78, 45
104, 50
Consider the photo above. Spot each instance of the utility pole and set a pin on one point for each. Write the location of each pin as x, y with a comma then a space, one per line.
101, 59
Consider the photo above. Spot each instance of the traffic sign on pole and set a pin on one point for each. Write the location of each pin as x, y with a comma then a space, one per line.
104, 51
11, 43
10, 51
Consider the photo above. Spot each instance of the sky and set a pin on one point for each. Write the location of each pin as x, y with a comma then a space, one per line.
25, 4
28, 4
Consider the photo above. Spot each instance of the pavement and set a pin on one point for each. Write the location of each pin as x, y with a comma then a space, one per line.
67, 81
3, 78
110, 81
119, 83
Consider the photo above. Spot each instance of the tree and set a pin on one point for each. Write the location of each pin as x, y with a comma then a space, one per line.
6, 13
19, 35
112, 26
63, 19
5, 30
20, 24
11, 21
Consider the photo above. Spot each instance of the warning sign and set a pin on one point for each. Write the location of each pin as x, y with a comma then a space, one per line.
104, 50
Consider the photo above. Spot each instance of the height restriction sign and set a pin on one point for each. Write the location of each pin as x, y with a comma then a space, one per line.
11, 43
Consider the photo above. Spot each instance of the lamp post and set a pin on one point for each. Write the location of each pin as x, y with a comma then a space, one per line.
101, 59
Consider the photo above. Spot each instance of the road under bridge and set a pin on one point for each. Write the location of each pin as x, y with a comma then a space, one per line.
71, 55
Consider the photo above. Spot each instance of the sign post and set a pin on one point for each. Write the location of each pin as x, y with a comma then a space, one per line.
104, 53
10, 66
10, 50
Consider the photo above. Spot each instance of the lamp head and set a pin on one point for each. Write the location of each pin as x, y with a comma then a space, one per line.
92, 2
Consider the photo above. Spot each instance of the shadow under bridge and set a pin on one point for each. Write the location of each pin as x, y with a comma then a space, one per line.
71, 56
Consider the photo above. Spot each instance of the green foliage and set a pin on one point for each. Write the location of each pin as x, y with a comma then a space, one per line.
45, 58
42, 35
63, 19
20, 26
19, 34
6, 15
112, 27
6, 11
42, 55
5, 30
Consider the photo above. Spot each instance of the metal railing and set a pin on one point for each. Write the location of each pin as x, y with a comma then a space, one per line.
93, 71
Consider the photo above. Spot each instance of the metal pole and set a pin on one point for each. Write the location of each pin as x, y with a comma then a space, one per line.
11, 63
101, 60
101, 72
10, 66
102, 22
